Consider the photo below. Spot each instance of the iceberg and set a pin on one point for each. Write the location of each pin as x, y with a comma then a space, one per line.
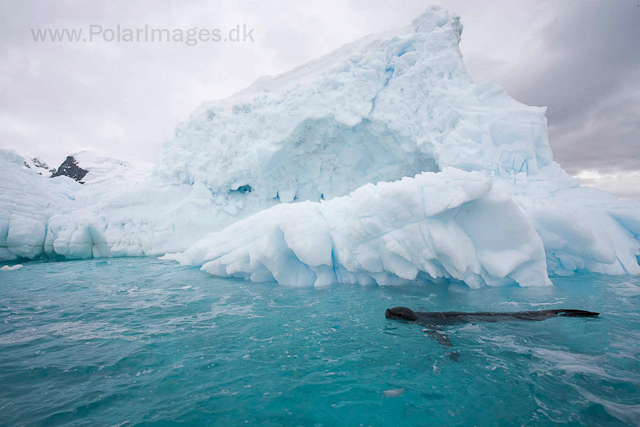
379, 163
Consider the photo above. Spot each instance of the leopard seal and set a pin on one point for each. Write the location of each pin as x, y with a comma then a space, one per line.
437, 320
427, 318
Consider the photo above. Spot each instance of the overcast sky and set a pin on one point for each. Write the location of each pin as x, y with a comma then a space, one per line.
580, 58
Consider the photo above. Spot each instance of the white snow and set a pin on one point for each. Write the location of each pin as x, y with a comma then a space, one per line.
105, 169
380, 163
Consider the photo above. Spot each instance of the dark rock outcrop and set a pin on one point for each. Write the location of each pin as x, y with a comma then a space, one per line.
71, 169
37, 165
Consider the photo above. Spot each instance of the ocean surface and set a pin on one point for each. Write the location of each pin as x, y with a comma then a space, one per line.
140, 341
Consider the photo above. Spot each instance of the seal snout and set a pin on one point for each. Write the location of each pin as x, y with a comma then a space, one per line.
400, 313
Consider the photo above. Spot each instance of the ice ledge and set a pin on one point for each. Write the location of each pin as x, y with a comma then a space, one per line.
449, 225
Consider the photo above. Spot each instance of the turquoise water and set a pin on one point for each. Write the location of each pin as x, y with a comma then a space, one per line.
140, 341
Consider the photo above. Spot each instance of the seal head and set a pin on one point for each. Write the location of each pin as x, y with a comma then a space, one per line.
400, 313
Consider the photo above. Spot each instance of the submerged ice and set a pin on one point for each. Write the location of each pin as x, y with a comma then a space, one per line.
381, 162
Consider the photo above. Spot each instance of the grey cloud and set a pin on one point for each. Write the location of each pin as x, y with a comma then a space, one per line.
59, 98
587, 71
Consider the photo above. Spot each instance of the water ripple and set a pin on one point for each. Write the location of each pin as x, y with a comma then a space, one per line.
142, 342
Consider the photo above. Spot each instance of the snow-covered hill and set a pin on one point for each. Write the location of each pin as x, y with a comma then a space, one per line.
381, 162
119, 211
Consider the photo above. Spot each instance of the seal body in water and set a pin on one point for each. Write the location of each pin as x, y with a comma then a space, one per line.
427, 318
436, 320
